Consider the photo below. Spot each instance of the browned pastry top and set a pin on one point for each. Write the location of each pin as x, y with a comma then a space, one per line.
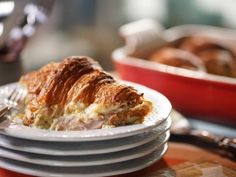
199, 44
36, 79
80, 76
217, 57
178, 58
77, 80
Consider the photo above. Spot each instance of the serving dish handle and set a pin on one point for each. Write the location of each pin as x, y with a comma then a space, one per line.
141, 37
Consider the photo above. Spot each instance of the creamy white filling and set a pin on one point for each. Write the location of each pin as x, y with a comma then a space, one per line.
79, 116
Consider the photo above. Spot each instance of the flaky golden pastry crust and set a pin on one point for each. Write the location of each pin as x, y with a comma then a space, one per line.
78, 86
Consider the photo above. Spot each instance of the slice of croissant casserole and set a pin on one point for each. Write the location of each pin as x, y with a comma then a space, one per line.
77, 94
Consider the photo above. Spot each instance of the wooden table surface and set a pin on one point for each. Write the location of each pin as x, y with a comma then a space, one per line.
176, 154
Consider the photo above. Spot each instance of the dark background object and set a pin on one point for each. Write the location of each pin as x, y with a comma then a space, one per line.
15, 37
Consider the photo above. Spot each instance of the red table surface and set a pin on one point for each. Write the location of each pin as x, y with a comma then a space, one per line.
176, 154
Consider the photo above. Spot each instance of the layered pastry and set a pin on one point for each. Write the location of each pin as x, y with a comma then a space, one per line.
217, 57
179, 58
77, 94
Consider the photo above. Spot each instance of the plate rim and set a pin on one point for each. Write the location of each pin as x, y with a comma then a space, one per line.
91, 152
117, 172
153, 145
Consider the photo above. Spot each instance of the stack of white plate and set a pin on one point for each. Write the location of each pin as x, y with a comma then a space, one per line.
103, 152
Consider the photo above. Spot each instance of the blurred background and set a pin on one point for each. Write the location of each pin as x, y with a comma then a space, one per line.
90, 27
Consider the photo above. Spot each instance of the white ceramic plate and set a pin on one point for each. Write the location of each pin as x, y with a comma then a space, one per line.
82, 148
161, 110
88, 160
101, 170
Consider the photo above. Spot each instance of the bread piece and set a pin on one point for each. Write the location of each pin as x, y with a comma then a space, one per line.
179, 58
218, 57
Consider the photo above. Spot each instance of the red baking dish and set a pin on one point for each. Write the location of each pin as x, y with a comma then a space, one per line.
196, 94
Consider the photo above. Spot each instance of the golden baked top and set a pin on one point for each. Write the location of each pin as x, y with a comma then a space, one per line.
76, 93
214, 56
